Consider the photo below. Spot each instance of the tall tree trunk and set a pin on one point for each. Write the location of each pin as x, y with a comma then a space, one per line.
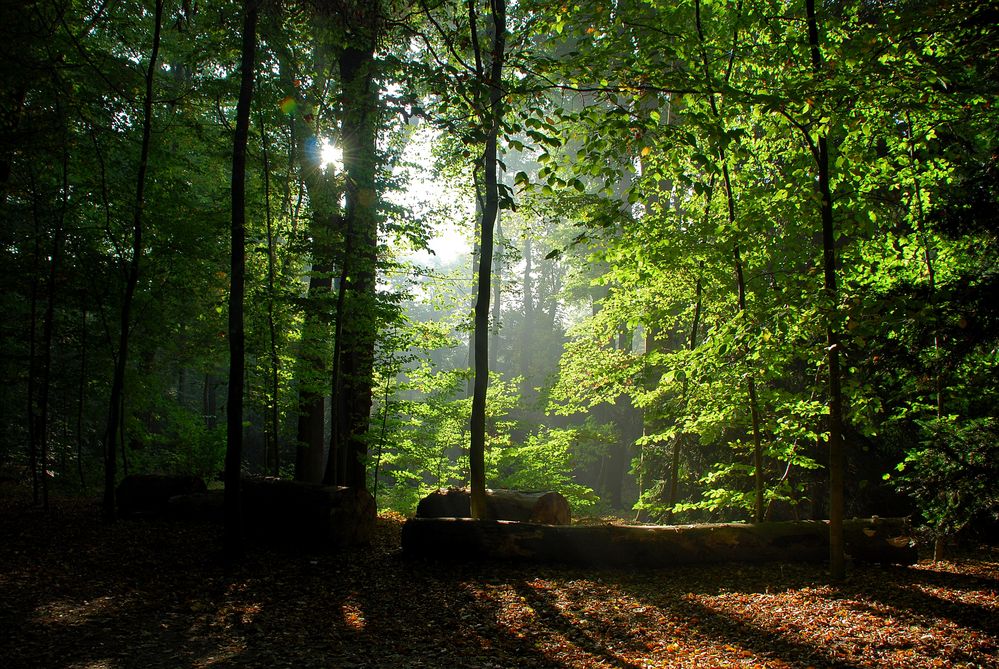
312, 403
491, 114
118, 381
81, 398
323, 229
360, 323
233, 537
497, 281
32, 415
527, 330
272, 454
754, 407
837, 458
682, 439
48, 326
476, 263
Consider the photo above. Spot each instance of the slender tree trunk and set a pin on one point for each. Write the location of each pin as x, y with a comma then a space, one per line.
476, 263
754, 409
312, 403
32, 424
272, 456
837, 458
233, 537
81, 399
336, 460
526, 347
48, 327
497, 281
928, 255
491, 114
681, 439
118, 381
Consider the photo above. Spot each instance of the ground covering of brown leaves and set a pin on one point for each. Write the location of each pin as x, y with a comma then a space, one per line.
75, 593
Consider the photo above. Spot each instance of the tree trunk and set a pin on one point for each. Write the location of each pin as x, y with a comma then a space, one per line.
497, 281
360, 324
491, 114
48, 328
527, 330
883, 540
233, 536
81, 398
272, 453
754, 408
118, 381
324, 227
837, 465
32, 423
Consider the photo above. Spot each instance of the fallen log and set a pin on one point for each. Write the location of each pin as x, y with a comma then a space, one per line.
307, 515
549, 508
149, 494
882, 540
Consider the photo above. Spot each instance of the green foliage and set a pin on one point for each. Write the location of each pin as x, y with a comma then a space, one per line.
953, 474
177, 440
622, 121
544, 461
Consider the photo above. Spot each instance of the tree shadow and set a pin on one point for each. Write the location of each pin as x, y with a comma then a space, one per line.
75, 592
674, 596
915, 595
570, 627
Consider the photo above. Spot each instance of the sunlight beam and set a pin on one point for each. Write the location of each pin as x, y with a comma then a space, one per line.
330, 155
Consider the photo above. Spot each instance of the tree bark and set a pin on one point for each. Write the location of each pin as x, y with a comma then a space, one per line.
118, 381
754, 407
869, 540
837, 459
491, 114
48, 326
359, 320
272, 453
233, 536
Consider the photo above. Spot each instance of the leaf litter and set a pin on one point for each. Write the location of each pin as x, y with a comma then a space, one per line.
76, 593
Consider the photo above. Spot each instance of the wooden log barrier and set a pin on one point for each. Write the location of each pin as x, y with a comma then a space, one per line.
550, 508
882, 540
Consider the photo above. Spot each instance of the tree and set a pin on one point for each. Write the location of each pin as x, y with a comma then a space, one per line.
132, 280
356, 313
490, 113
237, 336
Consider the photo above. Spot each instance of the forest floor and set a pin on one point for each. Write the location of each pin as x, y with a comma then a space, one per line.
77, 593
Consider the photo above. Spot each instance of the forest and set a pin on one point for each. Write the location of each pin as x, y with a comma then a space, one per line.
682, 263
699, 261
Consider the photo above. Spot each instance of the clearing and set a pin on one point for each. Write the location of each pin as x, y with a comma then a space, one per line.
76, 593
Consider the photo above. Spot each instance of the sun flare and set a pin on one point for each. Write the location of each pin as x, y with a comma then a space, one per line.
330, 155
